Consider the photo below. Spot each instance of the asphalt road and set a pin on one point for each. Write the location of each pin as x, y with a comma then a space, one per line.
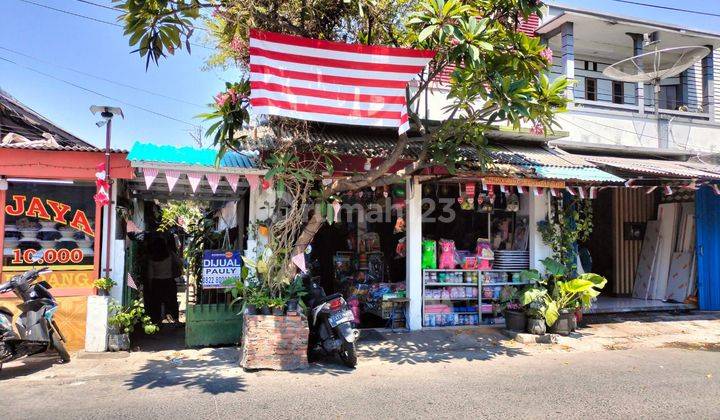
640, 383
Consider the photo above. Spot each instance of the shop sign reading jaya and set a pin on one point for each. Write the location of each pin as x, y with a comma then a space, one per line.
219, 266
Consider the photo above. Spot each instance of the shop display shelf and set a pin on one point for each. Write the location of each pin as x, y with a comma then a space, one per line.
507, 283
452, 284
451, 299
499, 271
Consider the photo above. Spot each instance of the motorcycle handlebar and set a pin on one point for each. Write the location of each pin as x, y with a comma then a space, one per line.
27, 276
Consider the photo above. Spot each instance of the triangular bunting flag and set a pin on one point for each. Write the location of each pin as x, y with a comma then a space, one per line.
651, 189
131, 282
521, 190
570, 190
553, 192
299, 261
253, 180
150, 174
336, 207
582, 193
172, 179
213, 180
716, 189
668, 190
233, 180
593, 193
539, 191
194, 179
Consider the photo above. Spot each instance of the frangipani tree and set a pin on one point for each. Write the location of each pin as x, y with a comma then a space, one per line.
498, 77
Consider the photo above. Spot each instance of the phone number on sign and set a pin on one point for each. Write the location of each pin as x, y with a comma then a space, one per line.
50, 256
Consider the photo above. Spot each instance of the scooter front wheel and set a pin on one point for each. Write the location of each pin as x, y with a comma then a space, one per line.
59, 345
348, 355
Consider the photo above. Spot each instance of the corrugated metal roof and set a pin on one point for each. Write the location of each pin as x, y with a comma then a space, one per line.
69, 148
167, 154
658, 168
21, 119
576, 174
529, 161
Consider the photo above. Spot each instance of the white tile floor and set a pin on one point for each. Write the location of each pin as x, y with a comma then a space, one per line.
606, 304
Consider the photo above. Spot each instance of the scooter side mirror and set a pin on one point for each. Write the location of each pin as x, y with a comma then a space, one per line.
37, 256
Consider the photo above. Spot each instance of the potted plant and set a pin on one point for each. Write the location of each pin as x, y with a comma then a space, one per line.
533, 300
277, 305
512, 311
562, 297
123, 320
295, 292
104, 285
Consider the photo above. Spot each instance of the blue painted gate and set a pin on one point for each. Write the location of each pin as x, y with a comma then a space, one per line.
707, 214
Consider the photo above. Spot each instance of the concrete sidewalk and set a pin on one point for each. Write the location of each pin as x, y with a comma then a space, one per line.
379, 347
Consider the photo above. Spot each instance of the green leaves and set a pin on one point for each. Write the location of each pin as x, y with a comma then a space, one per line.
125, 318
553, 267
158, 28
551, 313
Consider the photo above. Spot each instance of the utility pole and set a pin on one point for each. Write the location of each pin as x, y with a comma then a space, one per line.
107, 113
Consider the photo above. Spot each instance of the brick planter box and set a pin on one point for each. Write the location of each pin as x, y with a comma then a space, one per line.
274, 342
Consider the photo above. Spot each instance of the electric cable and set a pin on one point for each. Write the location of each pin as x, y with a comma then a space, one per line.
149, 92
98, 93
674, 9
118, 9
94, 19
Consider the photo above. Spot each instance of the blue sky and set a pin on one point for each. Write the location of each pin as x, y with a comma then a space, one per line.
62, 40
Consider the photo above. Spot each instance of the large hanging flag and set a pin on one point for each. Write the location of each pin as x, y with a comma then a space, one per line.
332, 82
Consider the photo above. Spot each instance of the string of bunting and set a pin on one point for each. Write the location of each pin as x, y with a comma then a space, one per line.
213, 179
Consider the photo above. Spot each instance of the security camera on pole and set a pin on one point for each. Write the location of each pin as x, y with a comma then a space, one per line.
104, 182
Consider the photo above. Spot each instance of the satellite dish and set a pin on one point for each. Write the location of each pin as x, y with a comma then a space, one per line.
652, 67
656, 65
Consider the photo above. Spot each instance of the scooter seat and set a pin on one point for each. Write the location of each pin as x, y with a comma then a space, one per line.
328, 298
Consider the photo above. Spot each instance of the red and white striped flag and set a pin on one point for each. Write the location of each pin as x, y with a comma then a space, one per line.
332, 82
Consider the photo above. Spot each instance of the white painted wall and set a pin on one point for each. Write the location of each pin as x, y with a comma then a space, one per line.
413, 260
538, 211
261, 207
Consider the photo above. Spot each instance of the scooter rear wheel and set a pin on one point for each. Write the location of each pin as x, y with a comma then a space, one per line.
347, 354
59, 345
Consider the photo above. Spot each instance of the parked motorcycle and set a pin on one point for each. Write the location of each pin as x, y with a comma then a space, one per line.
37, 332
331, 330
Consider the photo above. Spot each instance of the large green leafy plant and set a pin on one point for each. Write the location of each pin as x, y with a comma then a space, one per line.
497, 77
552, 292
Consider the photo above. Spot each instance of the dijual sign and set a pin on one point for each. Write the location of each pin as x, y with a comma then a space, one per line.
219, 266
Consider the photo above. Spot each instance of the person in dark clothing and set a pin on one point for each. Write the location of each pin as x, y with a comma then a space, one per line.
161, 289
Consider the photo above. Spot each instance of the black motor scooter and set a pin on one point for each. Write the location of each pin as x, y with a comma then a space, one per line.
331, 330
37, 332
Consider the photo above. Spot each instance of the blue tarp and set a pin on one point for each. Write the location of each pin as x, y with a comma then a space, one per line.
575, 174
146, 152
